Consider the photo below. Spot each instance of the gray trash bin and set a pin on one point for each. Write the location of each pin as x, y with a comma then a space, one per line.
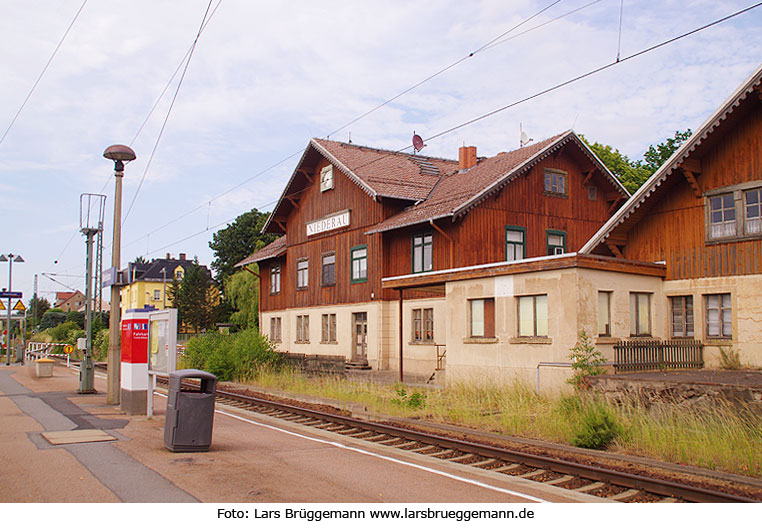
190, 412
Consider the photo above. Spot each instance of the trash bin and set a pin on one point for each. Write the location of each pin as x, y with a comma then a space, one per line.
190, 412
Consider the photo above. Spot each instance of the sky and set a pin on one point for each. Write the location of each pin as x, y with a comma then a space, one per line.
265, 77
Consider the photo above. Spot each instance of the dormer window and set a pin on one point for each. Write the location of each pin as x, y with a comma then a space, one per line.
555, 182
326, 178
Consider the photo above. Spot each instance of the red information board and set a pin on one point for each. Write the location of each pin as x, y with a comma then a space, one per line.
135, 340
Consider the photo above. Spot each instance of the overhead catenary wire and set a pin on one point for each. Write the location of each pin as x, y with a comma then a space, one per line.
528, 98
42, 73
169, 112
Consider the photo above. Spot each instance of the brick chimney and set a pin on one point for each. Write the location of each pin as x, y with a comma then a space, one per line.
466, 158
169, 256
182, 256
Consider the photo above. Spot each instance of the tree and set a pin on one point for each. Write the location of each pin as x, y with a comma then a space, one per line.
237, 241
37, 307
52, 318
196, 298
77, 317
242, 292
634, 173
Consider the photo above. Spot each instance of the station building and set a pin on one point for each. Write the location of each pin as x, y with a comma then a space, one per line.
486, 267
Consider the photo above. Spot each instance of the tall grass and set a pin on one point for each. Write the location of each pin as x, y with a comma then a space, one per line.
722, 437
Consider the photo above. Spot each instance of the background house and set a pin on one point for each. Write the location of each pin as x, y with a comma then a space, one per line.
145, 283
70, 301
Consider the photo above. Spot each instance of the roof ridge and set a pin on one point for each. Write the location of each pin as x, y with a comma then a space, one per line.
389, 151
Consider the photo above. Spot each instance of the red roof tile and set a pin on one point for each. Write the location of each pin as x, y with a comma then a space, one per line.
272, 250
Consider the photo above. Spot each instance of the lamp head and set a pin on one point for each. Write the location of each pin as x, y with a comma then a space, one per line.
120, 154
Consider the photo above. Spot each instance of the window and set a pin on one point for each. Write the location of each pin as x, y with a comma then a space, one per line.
482, 317
156, 295
753, 212
555, 181
329, 328
275, 329
722, 216
326, 178
682, 316
533, 316
556, 242
359, 264
592, 192
604, 313
423, 325
640, 314
302, 273
302, 328
719, 323
423, 252
329, 269
515, 243
179, 274
275, 279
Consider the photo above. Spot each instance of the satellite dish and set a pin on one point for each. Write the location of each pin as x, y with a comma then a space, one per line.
524, 138
417, 142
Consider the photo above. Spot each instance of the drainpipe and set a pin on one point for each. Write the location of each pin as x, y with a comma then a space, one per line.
448, 237
400, 333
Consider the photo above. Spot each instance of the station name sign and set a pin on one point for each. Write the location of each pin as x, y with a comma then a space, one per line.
328, 223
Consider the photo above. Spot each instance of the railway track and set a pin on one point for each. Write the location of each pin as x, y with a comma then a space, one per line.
603, 482
583, 478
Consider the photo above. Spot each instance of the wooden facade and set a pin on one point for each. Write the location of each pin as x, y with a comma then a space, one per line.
672, 226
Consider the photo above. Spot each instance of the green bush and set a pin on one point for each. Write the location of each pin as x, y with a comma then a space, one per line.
52, 318
412, 401
60, 333
597, 427
232, 357
100, 344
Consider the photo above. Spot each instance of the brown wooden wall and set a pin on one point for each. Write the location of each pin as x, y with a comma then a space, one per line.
479, 237
313, 205
673, 227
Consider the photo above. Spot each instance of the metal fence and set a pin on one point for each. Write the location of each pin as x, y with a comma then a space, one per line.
655, 354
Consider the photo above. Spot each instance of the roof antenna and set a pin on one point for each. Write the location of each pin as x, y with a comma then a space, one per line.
350, 138
525, 139
417, 143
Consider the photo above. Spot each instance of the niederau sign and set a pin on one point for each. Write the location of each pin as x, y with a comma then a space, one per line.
328, 223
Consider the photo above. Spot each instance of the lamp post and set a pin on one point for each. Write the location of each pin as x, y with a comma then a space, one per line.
119, 154
10, 258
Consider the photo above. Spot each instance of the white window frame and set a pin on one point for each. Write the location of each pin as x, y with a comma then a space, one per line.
326, 178
724, 306
537, 305
302, 273
637, 301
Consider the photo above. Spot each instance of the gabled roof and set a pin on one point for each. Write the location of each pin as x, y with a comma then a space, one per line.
272, 250
458, 193
668, 169
380, 173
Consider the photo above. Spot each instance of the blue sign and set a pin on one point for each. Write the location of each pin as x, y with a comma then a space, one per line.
11, 295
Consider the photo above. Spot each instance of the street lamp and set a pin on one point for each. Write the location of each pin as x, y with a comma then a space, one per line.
10, 258
119, 154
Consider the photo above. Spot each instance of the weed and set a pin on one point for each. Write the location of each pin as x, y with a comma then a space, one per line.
412, 401
597, 428
730, 360
586, 359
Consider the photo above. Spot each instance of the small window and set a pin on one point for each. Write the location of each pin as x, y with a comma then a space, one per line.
359, 264
302, 328
423, 245
329, 269
533, 316
515, 243
753, 204
681, 316
326, 178
302, 273
275, 279
556, 241
179, 274
423, 325
640, 314
592, 193
275, 323
555, 182
604, 313
722, 216
329, 328
719, 322
482, 317
156, 295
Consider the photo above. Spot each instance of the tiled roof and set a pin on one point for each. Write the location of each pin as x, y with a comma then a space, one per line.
272, 250
752, 83
459, 192
386, 173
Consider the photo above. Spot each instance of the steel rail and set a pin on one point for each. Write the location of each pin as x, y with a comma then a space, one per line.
609, 476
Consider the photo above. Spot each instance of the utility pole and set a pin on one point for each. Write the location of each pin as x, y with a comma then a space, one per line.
10, 258
89, 229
